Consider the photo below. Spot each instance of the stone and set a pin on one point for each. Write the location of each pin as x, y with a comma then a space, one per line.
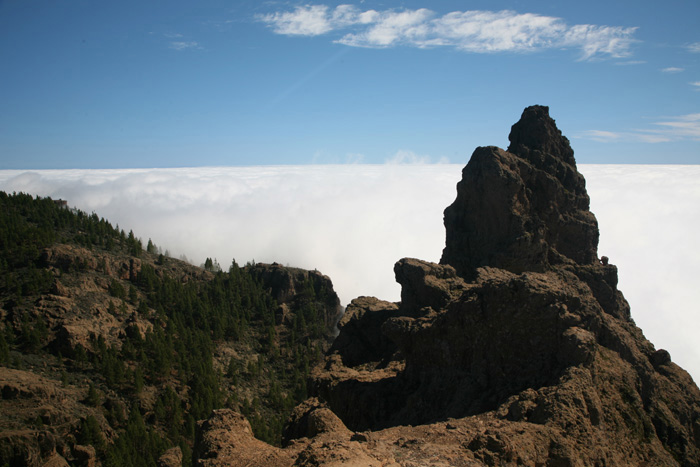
226, 439
310, 418
360, 340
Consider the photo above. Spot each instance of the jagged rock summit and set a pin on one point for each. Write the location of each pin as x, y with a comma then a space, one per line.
525, 209
517, 349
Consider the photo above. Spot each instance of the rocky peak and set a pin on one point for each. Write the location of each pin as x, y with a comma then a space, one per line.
525, 209
536, 132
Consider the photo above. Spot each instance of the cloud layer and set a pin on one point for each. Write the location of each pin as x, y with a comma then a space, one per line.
353, 222
471, 31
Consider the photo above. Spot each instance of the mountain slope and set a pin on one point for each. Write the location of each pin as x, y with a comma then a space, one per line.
111, 353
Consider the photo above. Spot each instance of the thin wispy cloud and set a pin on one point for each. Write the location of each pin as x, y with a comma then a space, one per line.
474, 31
184, 45
672, 69
353, 222
694, 47
631, 62
410, 157
683, 127
603, 136
696, 84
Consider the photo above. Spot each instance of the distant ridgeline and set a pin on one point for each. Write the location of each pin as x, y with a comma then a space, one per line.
111, 352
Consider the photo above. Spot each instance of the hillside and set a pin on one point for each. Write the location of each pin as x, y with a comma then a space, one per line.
110, 353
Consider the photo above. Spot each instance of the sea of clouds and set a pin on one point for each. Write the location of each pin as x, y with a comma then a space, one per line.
353, 222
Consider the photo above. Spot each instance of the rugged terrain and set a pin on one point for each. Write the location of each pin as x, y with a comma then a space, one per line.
110, 354
517, 349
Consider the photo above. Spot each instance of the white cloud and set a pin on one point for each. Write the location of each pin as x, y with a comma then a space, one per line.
678, 128
685, 126
183, 45
308, 20
471, 31
696, 84
353, 222
487, 31
600, 40
648, 220
631, 62
392, 28
672, 69
694, 47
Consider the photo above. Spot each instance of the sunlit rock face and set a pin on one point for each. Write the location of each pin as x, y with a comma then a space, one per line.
525, 209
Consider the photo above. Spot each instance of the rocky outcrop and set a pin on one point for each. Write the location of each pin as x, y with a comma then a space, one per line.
226, 439
171, 458
517, 349
525, 209
311, 418
293, 285
361, 340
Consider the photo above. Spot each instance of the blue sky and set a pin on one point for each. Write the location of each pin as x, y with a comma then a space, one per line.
87, 84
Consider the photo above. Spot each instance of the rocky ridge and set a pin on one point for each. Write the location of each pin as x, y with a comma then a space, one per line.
517, 349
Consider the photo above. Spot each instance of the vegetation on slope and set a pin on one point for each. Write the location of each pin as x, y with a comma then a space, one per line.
190, 342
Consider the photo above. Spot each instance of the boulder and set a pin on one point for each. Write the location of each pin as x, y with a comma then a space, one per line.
310, 418
226, 439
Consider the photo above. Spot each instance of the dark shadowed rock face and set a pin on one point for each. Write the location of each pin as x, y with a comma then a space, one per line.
525, 209
536, 138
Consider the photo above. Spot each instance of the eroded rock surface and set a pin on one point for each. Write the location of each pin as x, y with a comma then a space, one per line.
525, 209
518, 349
